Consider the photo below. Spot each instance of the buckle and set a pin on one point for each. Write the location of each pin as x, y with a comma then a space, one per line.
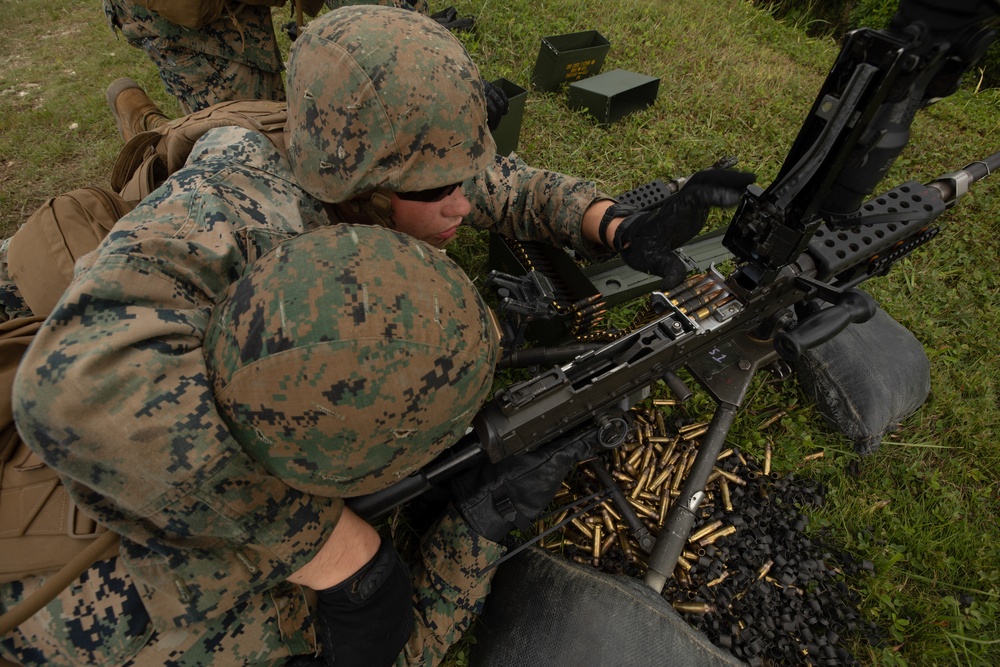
79, 526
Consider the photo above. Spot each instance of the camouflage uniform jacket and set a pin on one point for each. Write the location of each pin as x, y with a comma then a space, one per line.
114, 394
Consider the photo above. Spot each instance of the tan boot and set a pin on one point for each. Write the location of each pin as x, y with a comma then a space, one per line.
132, 108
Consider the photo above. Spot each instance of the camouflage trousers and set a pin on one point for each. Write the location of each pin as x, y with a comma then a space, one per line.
232, 58
100, 620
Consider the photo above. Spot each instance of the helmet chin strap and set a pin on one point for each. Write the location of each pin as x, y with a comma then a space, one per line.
376, 207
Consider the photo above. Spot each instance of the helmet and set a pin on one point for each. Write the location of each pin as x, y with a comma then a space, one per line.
386, 98
349, 356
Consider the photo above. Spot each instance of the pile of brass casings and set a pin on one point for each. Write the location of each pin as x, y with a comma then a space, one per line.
749, 577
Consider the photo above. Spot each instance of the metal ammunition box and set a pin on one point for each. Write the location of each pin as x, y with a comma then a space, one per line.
611, 96
508, 132
569, 57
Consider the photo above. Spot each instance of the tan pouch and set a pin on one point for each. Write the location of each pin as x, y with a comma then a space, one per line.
192, 14
150, 157
196, 14
44, 250
40, 528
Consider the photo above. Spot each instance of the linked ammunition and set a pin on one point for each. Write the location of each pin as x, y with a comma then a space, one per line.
699, 300
685, 295
709, 310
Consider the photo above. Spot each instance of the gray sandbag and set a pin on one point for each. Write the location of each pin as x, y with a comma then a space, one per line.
867, 379
545, 611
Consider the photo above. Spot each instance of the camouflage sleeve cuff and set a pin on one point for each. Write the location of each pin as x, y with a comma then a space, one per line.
530, 204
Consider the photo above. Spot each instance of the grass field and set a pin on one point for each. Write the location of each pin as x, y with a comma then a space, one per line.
923, 508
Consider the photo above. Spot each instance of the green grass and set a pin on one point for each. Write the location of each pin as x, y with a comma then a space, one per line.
733, 82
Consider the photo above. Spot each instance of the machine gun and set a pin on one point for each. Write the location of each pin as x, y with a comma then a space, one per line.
808, 236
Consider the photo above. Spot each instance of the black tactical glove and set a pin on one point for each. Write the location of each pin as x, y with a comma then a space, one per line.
449, 19
366, 620
646, 239
496, 498
496, 104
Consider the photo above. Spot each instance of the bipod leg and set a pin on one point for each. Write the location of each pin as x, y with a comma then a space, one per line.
671, 540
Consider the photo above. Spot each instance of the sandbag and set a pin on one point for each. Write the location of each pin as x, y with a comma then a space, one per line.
545, 611
867, 379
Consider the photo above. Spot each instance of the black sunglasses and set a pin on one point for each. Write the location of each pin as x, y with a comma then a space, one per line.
429, 195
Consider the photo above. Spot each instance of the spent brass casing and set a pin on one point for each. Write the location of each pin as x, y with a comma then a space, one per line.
718, 580
767, 458
764, 569
727, 501
643, 509
709, 539
635, 457
625, 544
735, 479
662, 477
607, 544
694, 435
691, 427
813, 457
584, 530
665, 402
771, 420
704, 530
694, 607
609, 524
664, 506
622, 477
683, 563
679, 473
661, 425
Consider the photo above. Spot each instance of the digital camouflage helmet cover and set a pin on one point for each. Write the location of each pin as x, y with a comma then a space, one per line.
350, 356
383, 98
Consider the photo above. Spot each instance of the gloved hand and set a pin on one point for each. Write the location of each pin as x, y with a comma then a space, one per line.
366, 620
496, 104
496, 498
645, 239
448, 18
